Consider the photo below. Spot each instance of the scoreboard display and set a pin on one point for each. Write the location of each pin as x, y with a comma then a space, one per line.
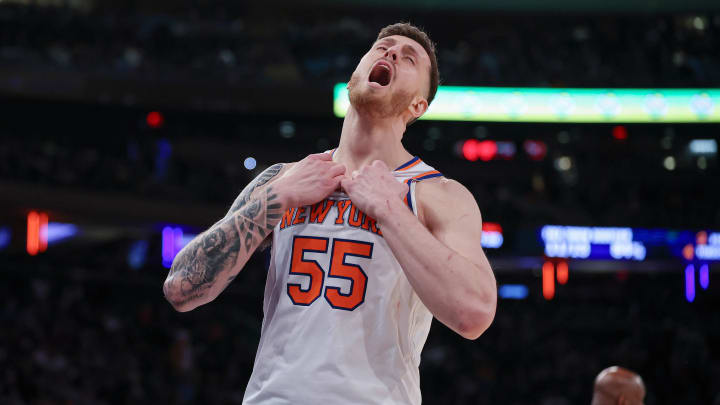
637, 244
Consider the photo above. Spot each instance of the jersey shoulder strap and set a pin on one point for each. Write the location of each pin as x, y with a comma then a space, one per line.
411, 173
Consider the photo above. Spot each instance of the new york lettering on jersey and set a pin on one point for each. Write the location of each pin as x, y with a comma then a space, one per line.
344, 213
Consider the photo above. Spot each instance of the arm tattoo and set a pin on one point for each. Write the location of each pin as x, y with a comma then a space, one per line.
260, 180
217, 251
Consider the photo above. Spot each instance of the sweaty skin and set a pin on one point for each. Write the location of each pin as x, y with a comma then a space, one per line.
618, 386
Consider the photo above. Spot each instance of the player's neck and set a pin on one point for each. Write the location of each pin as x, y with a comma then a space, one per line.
364, 140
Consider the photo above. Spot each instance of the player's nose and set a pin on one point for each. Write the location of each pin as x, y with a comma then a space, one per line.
392, 53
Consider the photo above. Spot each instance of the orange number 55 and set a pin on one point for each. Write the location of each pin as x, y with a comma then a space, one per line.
339, 268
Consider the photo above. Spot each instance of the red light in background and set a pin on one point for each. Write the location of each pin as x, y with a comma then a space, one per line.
548, 281
536, 150
36, 232
701, 238
562, 273
486, 150
155, 119
688, 252
469, 150
33, 233
620, 132
42, 235
491, 227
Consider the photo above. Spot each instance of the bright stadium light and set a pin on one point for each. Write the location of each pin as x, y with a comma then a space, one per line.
529, 104
513, 291
5, 235
669, 163
703, 146
250, 163
690, 283
56, 232
492, 235
704, 276
173, 240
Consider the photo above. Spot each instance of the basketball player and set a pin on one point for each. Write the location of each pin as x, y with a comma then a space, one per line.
368, 244
618, 386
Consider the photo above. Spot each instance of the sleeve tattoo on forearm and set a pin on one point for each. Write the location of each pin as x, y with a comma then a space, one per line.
250, 219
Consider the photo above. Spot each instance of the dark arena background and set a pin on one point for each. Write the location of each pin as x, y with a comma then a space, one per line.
587, 132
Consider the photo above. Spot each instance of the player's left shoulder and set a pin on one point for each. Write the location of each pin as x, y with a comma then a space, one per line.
442, 199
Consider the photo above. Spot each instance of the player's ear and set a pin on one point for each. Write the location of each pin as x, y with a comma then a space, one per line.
418, 107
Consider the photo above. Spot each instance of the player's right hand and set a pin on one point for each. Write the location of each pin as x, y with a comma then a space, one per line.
309, 180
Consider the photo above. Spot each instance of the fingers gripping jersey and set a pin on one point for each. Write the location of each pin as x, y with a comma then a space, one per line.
342, 324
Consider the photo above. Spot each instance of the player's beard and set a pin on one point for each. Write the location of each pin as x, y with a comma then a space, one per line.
368, 102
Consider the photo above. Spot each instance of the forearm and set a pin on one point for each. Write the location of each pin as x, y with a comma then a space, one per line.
206, 265
460, 293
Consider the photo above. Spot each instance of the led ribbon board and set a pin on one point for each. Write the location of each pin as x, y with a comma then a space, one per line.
529, 104
600, 243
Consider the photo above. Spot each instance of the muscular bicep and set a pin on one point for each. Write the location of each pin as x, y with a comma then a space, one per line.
450, 213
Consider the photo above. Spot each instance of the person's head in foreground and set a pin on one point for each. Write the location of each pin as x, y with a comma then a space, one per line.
398, 77
618, 386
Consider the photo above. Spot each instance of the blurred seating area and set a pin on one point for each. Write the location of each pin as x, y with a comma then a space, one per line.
235, 44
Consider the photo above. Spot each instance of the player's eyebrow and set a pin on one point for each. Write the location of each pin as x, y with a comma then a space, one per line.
410, 49
388, 40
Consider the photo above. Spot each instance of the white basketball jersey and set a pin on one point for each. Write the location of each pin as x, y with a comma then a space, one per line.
342, 324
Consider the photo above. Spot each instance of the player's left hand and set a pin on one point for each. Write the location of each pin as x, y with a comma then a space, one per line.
374, 189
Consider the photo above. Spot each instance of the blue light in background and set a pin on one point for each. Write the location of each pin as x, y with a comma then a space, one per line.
57, 232
707, 252
168, 246
705, 276
173, 240
250, 163
690, 283
703, 146
4, 237
491, 240
162, 158
137, 254
513, 291
492, 236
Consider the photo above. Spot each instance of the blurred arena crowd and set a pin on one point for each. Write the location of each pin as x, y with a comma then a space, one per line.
286, 47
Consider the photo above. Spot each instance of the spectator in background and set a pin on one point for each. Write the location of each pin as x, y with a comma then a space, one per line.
618, 386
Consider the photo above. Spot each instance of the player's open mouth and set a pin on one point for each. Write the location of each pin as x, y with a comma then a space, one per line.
381, 74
